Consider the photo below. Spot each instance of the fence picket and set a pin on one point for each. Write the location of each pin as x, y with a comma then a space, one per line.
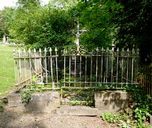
107, 64
102, 74
69, 70
56, 65
112, 57
91, 71
80, 70
117, 65
75, 69
127, 68
51, 64
64, 53
97, 50
85, 69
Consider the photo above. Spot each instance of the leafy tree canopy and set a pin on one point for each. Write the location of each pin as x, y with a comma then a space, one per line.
28, 3
5, 20
95, 16
134, 27
38, 26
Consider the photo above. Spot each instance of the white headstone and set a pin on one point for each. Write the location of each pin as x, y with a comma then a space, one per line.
4, 39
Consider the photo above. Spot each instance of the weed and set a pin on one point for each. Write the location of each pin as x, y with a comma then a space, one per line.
26, 96
113, 118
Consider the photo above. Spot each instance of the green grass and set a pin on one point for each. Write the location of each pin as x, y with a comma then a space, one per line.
7, 75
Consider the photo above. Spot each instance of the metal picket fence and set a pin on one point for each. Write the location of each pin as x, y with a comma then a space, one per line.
71, 69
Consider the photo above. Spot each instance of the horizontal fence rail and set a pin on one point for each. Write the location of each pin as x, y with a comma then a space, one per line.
77, 69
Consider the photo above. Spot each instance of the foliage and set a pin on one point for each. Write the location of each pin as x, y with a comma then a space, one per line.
26, 96
27, 3
95, 17
79, 97
113, 118
141, 114
134, 27
142, 108
138, 112
42, 26
6, 16
65, 4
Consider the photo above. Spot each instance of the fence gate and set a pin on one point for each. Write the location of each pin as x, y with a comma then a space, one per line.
69, 69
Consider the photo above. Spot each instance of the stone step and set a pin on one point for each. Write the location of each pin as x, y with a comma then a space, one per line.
77, 111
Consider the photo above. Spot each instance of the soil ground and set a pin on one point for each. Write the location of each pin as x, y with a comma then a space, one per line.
63, 117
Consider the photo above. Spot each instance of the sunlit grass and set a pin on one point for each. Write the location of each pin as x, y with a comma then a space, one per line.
7, 79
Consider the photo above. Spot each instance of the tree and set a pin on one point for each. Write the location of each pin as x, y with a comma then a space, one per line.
28, 3
95, 16
38, 26
5, 20
66, 4
134, 27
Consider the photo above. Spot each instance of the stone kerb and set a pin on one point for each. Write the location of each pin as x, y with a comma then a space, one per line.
112, 101
40, 102
44, 102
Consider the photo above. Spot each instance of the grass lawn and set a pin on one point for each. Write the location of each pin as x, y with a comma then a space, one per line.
7, 77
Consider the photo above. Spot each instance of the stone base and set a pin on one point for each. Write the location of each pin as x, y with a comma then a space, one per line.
112, 101
40, 102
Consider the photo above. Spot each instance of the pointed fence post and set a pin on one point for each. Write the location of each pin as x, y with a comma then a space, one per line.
86, 69
56, 65
97, 50
127, 73
45, 65
51, 61
122, 66
15, 66
80, 70
24, 64
132, 65
40, 66
102, 73
117, 66
64, 54
30, 65
91, 65
107, 64
70, 56
112, 57
75, 68
20, 66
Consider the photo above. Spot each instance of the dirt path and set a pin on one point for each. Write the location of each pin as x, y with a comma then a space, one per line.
64, 117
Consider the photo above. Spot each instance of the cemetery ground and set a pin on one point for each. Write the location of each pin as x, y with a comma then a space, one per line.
14, 118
